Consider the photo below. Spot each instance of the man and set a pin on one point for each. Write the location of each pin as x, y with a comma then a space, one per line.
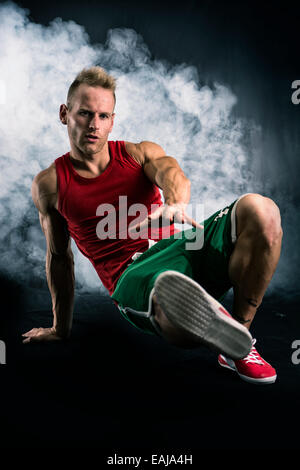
161, 282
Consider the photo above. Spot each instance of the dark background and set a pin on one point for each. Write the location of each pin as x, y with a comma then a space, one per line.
111, 387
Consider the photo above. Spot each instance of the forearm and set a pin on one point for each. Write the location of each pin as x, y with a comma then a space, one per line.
61, 281
173, 182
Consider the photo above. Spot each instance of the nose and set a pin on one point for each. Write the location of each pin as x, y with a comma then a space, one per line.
94, 123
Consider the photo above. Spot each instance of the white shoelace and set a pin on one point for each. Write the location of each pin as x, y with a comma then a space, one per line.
253, 356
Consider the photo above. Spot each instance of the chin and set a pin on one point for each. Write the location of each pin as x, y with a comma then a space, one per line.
89, 147
92, 148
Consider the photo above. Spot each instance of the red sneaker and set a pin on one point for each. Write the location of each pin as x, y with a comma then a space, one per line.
253, 368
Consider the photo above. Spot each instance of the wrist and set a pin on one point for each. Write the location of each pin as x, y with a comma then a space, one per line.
178, 196
62, 332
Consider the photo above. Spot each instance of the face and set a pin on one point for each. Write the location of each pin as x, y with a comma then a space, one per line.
90, 120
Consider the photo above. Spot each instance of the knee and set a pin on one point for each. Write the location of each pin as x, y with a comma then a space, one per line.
260, 217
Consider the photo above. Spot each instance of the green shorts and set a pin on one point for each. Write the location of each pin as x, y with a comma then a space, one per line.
202, 254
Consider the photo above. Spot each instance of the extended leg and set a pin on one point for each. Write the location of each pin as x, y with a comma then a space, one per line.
256, 254
251, 266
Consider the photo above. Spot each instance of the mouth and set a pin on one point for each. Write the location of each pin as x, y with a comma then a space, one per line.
91, 137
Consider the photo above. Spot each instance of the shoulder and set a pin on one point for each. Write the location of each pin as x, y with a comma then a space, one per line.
44, 188
45, 181
145, 150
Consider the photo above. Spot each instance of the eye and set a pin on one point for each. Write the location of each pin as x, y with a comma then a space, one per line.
103, 116
83, 113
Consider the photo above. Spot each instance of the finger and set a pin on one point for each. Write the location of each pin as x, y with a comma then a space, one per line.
192, 222
36, 338
31, 338
27, 340
169, 212
196, 224
29, 332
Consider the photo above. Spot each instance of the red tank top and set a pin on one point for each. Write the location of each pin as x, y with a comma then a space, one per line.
79, 199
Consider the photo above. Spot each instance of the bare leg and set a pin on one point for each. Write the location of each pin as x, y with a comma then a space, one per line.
256, 254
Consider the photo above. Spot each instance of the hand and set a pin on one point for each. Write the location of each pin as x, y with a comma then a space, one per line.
167, 214
41, 334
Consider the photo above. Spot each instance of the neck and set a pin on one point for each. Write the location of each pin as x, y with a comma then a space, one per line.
90, 165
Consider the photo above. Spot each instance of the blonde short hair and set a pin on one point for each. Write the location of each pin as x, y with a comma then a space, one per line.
94, 76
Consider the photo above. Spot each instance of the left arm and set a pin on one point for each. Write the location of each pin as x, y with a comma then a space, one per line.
167, 174
162, 170
165, 171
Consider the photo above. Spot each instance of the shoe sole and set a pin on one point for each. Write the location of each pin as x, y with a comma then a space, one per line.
187, 305
262, 381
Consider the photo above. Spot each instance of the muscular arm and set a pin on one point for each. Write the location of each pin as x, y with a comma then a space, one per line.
59, 271
59, 258
164, 171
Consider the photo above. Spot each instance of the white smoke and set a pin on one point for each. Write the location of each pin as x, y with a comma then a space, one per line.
155, 101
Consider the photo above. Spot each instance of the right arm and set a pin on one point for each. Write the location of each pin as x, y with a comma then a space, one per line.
59, 259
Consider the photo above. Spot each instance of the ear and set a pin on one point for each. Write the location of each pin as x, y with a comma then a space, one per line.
112, 122
63, 114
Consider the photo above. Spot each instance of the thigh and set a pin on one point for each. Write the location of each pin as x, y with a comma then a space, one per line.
210, 264
137, 281
207, 264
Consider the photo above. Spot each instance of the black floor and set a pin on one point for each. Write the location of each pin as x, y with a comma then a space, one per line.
113, 388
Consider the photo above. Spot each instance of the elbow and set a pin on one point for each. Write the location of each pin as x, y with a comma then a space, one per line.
63, 257
184, 179
188, 181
